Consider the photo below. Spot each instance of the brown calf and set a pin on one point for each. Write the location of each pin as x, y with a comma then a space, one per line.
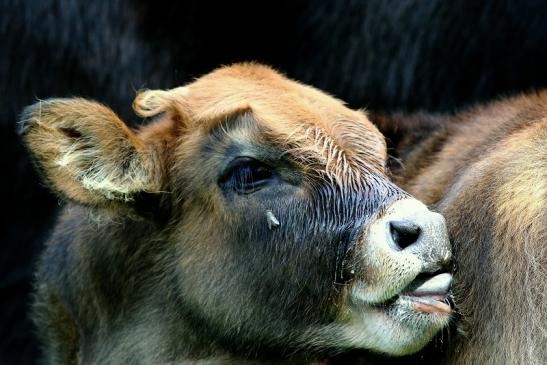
251, 221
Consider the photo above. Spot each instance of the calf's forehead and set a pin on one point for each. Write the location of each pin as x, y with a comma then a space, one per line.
295, 114
257, 87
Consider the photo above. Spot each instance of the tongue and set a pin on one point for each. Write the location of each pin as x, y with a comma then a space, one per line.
430, 305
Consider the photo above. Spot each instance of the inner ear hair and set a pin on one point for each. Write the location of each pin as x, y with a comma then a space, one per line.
87, 153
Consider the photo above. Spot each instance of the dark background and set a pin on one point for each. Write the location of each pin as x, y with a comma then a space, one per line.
385, 55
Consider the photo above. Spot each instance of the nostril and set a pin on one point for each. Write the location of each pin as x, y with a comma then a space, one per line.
404, 233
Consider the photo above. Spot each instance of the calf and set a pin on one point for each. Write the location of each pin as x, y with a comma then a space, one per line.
252, 220
485, 170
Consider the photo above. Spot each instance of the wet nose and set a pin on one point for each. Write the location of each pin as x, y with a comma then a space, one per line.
404, 233
422, 233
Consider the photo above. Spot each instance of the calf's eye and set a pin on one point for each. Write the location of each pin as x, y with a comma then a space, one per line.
245, 175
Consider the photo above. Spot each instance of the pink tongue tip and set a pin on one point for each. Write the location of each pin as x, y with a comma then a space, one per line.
430, 305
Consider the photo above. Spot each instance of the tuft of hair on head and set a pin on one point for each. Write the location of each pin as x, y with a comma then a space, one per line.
149, 103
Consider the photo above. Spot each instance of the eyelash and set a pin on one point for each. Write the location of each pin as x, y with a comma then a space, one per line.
246, 175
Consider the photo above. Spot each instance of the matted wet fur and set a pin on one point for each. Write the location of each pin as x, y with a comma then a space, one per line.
485, 170
251, 221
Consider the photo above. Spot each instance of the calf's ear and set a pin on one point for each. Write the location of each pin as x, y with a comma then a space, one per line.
88, 154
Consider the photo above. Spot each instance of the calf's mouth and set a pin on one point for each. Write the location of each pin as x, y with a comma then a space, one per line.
427, 293
430, 293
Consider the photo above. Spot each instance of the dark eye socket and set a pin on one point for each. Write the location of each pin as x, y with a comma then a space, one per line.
246, 175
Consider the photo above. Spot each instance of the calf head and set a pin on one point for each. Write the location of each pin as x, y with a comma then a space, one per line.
283, 230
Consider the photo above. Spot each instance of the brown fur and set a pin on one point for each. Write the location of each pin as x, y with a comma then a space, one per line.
485, 170
314, 124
